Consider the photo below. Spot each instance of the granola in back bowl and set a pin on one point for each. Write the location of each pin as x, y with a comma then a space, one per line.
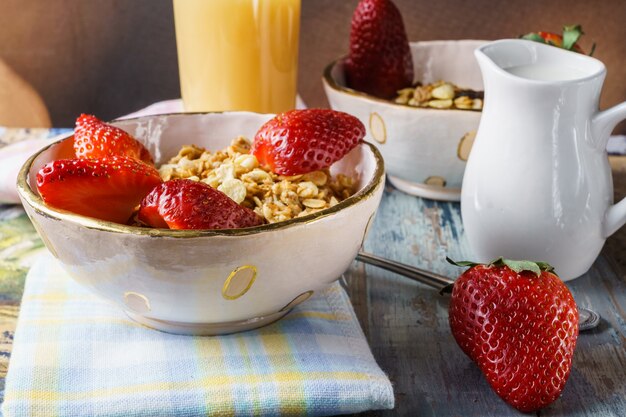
237, 173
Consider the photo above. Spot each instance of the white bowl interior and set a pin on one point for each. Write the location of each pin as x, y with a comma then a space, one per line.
433, 61
451, 61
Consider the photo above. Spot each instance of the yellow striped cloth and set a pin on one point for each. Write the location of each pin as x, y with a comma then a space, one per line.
75, 354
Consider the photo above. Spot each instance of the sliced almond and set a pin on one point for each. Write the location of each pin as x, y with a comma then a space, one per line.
234, 189
318, 178
440, 104
307, 189
443, 92
247, 162
313, 203
463, 102
257, 175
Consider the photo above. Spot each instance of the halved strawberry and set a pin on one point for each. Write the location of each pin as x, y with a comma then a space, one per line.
104, 188
95, 139
568, 40
187, 204
301, 141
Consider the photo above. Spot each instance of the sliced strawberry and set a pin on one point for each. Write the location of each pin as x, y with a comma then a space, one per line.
187, 204
104, 188
301, 141
519, 323
95, 139
379, 62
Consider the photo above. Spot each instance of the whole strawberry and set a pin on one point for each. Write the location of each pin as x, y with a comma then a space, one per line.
379, 62
301, 141
519, 323
187, 204
105, 188
95, 139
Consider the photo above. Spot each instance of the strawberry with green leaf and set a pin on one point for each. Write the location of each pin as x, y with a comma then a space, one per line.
571, 35
519, 322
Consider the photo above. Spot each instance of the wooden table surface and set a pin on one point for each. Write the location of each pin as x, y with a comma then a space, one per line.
406, 322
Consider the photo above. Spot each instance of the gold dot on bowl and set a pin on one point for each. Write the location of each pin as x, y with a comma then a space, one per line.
435, 181
298, 300
239, 282
465, 145
137, 302
377, 128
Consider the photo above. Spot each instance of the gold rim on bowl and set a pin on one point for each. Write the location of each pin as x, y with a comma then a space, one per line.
37, 203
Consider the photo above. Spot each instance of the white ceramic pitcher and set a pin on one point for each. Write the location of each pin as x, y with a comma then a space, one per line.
538, 184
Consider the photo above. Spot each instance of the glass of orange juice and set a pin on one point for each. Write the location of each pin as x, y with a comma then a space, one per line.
237, 54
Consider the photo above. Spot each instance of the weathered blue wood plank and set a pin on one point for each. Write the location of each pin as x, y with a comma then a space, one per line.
407, 325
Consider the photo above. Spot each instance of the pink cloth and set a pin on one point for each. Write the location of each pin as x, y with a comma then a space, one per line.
13, 156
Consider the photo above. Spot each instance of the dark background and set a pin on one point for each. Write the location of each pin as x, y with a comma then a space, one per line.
111, 57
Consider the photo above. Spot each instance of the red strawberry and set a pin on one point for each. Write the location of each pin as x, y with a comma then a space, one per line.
95, 139
379, 62
568, 40
104, 188
301, 141
187, 204
519, 323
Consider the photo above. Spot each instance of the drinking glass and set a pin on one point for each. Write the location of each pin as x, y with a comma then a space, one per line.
237, 54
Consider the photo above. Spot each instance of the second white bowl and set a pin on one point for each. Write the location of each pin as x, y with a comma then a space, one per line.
425, 150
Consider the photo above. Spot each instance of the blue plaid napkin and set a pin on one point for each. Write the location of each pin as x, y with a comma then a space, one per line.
75, 354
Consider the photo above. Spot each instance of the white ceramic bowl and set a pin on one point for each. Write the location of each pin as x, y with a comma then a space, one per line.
206, 282
425, 150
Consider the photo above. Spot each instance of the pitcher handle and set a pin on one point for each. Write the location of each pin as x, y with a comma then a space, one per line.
602, 124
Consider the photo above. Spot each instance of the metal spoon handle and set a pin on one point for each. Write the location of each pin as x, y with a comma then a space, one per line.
589, 319
421, 275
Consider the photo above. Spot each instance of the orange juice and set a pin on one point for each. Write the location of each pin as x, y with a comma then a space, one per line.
237, 54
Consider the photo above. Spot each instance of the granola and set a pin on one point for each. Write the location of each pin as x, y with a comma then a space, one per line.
237, 173
440, 95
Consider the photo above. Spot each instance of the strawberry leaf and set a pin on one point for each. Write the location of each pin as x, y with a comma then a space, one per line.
571, 34
544, 266
462, 263
533, 37
517, 266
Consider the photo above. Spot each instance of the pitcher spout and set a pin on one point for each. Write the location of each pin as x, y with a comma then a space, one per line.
500, 55
536, 62
542, 86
